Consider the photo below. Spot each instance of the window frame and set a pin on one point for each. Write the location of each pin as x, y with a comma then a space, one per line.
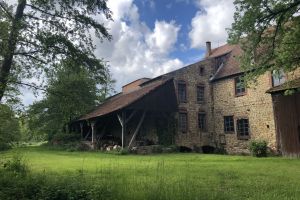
231, 128
204, 128
239, 135
182, 82
237, 94
182, 112
203, 98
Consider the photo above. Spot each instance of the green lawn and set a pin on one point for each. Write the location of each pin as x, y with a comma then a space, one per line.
171, 176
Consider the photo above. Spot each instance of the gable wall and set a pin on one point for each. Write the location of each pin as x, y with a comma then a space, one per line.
191, 76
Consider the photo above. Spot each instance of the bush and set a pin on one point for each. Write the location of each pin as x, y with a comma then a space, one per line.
124, 151
259, 148
64, 138
16, 164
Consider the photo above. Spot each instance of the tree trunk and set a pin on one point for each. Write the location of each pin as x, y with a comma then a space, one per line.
11, 46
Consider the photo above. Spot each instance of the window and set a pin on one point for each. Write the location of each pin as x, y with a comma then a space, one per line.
239, 86
243, 129
228, 124
278, 77
182, 122
200, 93
201, 71
181, 92
202, 121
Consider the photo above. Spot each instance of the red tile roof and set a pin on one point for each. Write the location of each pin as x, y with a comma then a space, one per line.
121, 101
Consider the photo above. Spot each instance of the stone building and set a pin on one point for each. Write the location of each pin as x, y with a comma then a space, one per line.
207, 100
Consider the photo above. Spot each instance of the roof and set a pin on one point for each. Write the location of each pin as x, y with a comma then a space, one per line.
293, 84
219, 51
140, 79
231, 65
121, 101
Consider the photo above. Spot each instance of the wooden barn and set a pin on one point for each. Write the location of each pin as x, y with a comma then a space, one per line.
287, 117
129, 117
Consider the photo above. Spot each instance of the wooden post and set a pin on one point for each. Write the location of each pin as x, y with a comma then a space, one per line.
93, 133
122, 120
137, 129
81, 129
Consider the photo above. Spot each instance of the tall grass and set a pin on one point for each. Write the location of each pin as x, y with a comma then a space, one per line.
81, 175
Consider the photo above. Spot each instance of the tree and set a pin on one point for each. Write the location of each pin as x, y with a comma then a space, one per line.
9, 127
269, 34
35, 34
71, 92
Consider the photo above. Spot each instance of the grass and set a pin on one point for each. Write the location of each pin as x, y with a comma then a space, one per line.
170, 176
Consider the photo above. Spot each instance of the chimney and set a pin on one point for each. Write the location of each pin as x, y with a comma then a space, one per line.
208, 48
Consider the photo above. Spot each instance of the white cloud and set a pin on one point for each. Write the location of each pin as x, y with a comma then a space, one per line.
210, 22
164, 36
137, 51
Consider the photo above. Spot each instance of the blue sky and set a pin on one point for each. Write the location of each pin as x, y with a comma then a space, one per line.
153, 37
181, 11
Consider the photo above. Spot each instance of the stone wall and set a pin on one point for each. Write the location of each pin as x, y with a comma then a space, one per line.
256, 105
192, 77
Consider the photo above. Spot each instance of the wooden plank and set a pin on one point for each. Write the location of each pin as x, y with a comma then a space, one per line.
137, 129
287, 123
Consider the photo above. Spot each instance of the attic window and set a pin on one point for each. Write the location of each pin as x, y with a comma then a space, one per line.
201, 71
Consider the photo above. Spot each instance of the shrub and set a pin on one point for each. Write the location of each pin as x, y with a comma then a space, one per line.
17, 164
63, 138
124, 151
259, 148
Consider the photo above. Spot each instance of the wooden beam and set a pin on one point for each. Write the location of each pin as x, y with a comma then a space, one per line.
93, 123
137, 128
87, 135
122, 120
131, 115
81, 129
